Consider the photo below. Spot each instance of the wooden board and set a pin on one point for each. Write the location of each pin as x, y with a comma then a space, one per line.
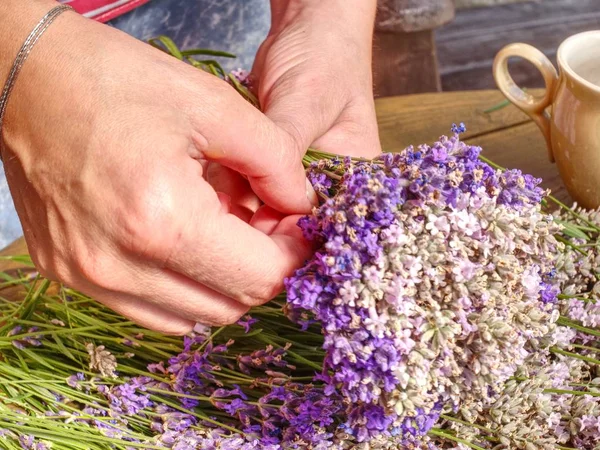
417, 119
467, 46
507, 136
405, 63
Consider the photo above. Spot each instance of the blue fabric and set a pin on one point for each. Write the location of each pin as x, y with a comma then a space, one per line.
237, 26
10, 227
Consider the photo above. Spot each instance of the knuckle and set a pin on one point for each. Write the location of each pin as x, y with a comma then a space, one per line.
146, 229
261, 291
94, 269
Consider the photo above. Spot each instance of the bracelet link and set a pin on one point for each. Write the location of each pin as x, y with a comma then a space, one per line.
24, 52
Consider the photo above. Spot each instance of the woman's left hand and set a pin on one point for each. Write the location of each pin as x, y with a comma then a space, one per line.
313, 79
313, 74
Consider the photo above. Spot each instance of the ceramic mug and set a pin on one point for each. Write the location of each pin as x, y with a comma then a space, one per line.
572, 126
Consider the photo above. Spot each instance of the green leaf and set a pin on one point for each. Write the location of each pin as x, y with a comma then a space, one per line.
37, 295
501, 105
214, 67
167, 45
34, 356
23, 259
572, 230
207, 52
22, 362
64, 350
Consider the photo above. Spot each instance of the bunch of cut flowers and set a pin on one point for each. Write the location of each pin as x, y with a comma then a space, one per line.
451, 304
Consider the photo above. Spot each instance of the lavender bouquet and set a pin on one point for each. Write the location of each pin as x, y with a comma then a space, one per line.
447, 307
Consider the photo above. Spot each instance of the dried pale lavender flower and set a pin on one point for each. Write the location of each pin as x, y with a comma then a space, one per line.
429, 282
101, 360
554, 398
436, 287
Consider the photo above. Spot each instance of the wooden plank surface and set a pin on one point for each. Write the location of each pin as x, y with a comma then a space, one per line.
467, 46
417, 119
405, 63
506, 135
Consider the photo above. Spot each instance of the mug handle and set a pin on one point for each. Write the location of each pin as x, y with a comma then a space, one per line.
534, 107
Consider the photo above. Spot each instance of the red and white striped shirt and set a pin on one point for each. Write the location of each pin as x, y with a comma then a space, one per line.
103, 10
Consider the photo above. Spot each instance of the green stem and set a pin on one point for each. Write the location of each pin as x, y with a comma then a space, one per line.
586, 347
573, 213
566, 391
440, 433
469, 424
570, 244
566, 322
177, 394
559, 351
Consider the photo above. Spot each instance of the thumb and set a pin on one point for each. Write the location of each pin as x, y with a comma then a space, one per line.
237, 135
325, 121
305, 112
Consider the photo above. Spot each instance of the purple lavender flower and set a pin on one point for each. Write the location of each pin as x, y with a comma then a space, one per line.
407, 286
549, 293
246, 322
242, 76
28, 442
130, 343
460, 128
26, 341
73, 380
15, 330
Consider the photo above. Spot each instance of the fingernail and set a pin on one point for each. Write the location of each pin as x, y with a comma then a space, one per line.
311, 194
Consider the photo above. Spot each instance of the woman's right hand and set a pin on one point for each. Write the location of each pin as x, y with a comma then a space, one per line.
105, 145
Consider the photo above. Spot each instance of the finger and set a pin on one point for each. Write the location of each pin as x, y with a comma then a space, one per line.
241, 262
161, 299
266, 219
238, 211
272, 222
266, 154
288, 226
187, 298
304, 117
258, 65
230, 182
141, 312
354, 134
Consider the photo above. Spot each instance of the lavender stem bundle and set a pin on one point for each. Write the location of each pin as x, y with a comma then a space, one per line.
448, 306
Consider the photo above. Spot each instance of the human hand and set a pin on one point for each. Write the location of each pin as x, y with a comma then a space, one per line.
313, 74
106, 142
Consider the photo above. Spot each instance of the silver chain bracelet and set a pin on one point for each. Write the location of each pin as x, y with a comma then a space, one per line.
29, 43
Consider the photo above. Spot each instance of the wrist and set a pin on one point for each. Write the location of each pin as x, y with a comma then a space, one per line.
358, 15
17, 20
26, 58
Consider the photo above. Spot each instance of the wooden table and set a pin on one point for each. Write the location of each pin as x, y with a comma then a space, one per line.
507, 135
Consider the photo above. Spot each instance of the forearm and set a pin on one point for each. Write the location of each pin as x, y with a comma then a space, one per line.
17, 20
